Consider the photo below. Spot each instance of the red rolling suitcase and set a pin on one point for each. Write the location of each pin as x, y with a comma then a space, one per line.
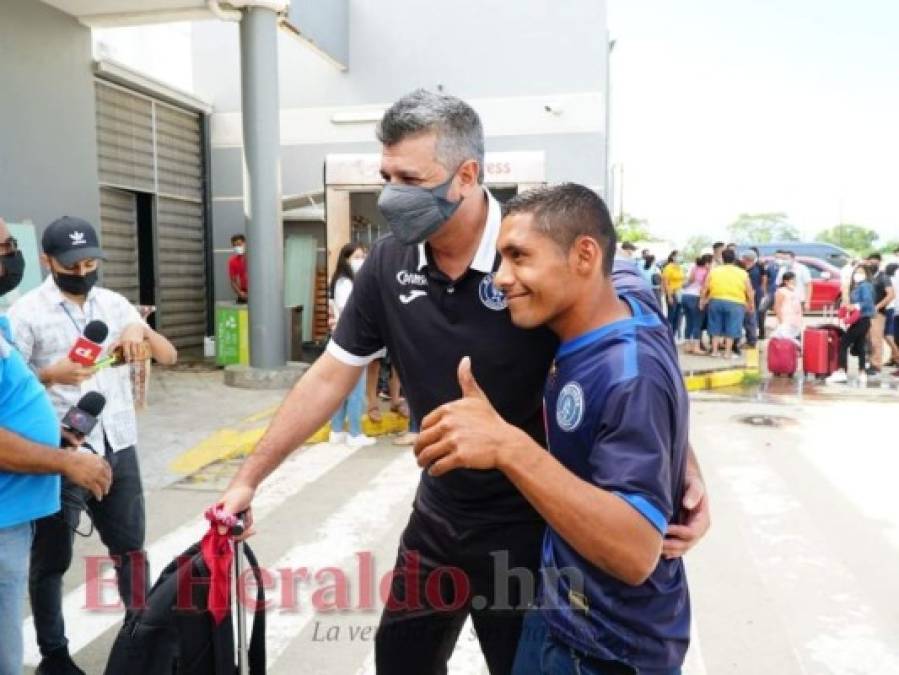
836, 334
783, 356
820, 350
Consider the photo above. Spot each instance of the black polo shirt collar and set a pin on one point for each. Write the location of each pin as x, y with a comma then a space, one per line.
485, 258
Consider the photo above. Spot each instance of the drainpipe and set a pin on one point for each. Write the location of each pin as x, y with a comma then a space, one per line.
220, 13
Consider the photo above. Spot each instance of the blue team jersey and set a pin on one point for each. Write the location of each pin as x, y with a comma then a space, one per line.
25, 409
617, 416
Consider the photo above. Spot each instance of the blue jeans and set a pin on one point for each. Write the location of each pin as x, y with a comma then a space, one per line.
690, 304
15, 543
675, 310
350, 411
751, 326
726, 319
120, 520
539, 653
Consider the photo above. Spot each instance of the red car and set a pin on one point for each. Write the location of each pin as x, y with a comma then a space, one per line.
825, 286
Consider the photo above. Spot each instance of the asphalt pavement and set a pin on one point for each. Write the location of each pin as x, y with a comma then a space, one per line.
796, 575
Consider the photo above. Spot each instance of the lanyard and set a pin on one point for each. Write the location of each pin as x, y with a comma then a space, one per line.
78, 329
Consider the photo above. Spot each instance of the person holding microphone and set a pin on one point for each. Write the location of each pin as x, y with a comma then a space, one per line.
31, 462
51, 329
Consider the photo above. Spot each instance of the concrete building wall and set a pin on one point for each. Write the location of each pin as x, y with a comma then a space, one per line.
511, 60
473, 48
48, 145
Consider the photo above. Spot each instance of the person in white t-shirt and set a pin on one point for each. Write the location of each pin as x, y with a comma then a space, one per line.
349, 414
788, 263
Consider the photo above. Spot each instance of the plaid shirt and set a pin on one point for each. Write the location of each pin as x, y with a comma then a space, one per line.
45, 325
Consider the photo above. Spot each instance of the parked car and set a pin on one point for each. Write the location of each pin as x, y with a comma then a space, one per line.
824, 290
833, 255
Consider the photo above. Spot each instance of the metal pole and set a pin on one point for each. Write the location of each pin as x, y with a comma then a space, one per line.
608, 133
243, 660
261, 139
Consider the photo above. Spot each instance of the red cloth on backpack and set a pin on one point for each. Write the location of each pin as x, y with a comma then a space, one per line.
218, 554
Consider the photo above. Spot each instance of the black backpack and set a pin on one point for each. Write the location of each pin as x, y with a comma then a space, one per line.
163, 639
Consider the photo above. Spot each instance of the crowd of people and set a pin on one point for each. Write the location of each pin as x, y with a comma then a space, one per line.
726, 298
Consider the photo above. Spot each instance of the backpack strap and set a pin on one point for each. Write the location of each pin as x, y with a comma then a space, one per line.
257, 638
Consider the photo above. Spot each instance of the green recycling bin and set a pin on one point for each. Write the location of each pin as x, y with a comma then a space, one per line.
232, 344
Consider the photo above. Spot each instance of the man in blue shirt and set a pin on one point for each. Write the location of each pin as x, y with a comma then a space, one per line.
30, 465
616, 413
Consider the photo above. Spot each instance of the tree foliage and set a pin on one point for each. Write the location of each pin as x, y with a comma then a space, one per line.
762, 228
630, 228
695, 244
855, 238
890, 246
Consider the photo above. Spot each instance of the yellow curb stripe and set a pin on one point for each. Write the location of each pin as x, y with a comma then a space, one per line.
223, 444
725, 378
258, 417
229, 443
696, 382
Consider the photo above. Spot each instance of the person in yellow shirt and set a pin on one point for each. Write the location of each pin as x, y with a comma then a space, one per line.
728, 294
672, 284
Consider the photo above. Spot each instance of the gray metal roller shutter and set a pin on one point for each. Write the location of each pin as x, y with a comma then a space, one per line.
118, 232
149, 146
179, 162
181, 272
125, 139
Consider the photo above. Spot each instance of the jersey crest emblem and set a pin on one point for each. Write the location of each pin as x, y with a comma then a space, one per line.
491, 296
570, 407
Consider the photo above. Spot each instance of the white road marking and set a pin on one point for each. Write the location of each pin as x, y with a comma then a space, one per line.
303, 468
834, 630
363, 519
467, 658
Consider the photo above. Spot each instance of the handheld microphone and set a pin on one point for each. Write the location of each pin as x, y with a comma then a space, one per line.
82, 417
89, 344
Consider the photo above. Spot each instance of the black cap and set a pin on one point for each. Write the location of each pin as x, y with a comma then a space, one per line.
69, 240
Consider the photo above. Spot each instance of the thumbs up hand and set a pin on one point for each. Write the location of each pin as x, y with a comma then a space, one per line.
470, 387
467, 433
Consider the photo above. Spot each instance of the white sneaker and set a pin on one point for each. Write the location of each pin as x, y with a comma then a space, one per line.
838, 377
337, 437
360, 441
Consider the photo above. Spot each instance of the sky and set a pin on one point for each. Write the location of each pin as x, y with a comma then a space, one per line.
727, 106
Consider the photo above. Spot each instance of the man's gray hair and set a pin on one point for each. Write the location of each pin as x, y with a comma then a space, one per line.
460, 135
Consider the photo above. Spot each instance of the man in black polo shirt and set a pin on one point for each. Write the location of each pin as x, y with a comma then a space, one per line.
427, 294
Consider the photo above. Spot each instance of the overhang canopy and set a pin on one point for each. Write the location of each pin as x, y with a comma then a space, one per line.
106, 13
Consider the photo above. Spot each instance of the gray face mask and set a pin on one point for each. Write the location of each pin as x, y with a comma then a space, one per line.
415, 213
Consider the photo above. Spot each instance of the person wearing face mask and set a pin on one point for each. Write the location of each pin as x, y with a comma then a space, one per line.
349, 414
31, 462
861, 297
46, 322
788, 308
426, 293
237, 268
12, 262
788, 263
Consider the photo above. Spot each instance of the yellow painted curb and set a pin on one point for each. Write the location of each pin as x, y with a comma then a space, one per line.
696, 382
721, 378
752, 358
229, 443
725, 378
223, 444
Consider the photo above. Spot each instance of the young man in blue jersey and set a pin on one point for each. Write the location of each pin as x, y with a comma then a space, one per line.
616, 414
